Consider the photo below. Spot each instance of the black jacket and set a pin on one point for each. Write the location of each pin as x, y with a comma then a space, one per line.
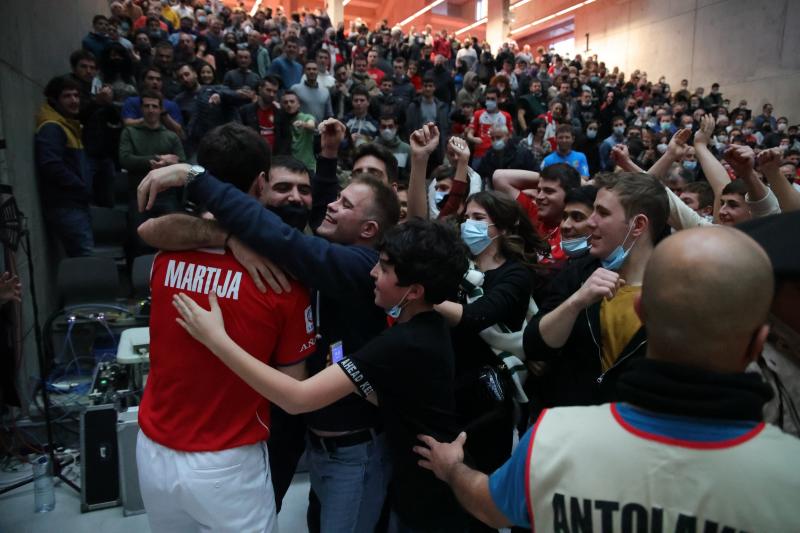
414, 122
575, 375
514, 155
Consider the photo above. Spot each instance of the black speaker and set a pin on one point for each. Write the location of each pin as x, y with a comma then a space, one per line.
99, 458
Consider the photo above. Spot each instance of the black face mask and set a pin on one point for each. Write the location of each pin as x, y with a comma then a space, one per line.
292, 214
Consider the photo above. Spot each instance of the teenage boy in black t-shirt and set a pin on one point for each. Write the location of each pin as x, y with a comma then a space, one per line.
408, 370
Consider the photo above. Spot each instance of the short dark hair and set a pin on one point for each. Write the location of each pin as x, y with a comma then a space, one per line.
582, 195
429, 253
154, 95
80, 55
385, 207
704, 192
379, 152
234, 153
567, 177
443, 172
735, 187
492, 90
271, 79
292, 164
188, 65
639, 193
151, 68
564, 128
98, 18
359, 90
58, 85
289, 92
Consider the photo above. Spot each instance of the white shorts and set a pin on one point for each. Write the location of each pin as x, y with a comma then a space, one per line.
229, 490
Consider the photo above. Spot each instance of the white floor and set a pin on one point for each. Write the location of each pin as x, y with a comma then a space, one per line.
17, 516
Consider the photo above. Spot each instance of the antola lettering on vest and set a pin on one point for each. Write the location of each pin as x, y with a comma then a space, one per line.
582, 514
202, 279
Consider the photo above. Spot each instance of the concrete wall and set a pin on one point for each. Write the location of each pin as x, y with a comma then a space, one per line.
749, 47
36, 38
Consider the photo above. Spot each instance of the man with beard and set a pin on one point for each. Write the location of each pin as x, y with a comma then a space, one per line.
295, 135
186, 52
95, 115
152, 80
337, 263
65, 187
315, 100
261, 115
196, 415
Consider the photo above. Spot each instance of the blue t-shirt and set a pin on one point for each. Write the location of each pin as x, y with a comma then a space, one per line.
132, 108
574, 159
507, 484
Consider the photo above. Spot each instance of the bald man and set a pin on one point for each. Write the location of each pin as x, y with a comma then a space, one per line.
686, 449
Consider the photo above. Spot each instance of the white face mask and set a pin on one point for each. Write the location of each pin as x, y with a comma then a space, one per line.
662, 148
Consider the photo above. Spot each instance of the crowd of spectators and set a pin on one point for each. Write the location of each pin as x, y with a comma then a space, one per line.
564, 174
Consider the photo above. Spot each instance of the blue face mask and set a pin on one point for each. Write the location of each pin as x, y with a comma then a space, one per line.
690, 165
491, 106
439, 197
575, 247
395, 311
475, 234
617, 257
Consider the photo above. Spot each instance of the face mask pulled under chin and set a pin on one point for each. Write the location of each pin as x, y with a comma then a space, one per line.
617, 257
396, 310
576, 247
292, 214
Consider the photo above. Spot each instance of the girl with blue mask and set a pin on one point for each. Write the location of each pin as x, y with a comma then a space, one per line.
505, 249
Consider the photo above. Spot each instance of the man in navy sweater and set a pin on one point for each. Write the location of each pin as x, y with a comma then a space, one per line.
345, 439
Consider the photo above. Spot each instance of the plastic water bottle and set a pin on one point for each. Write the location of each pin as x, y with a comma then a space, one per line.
43, 493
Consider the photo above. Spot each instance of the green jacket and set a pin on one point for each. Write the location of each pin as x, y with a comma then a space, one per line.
138, 145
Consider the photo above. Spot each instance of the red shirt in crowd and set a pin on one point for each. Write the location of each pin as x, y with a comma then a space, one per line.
551, 233
266, 124
192, 401
376, 74
482, 124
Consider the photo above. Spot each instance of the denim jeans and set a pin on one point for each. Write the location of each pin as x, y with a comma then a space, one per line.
351, 484
72, 226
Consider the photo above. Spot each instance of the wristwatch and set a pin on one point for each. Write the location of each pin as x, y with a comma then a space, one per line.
194, 171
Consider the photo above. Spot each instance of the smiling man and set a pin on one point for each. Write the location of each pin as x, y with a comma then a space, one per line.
347, 450
589, 308
60, 162
546, 209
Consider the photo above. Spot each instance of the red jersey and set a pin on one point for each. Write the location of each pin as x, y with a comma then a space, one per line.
482, 124
551, 234
266, 124
376, 74
192, 401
